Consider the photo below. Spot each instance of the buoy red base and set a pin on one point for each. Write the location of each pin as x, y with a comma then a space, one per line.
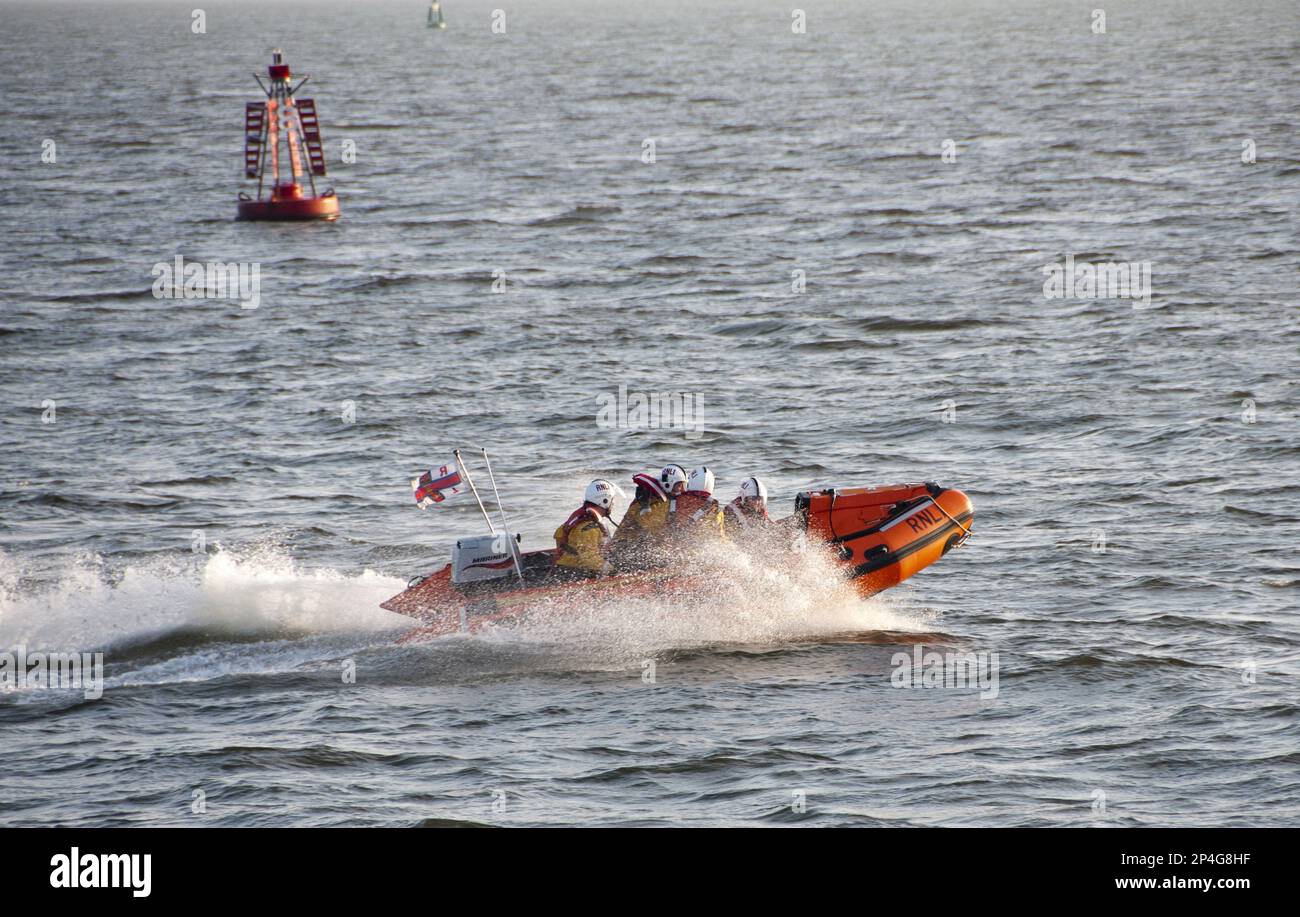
291, 207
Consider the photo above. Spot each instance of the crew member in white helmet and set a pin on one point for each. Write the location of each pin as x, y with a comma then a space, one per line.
581, 542
695, 511
749, 510
640, 534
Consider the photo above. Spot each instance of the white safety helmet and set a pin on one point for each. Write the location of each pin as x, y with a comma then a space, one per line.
701, 480
600, 493
671, 476
753, 488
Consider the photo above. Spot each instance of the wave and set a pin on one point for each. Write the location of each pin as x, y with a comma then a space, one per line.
890, 323
96, 296
577, 215
190, 600
232, 614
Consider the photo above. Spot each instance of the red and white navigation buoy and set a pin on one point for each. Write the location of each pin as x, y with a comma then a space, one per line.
279, 129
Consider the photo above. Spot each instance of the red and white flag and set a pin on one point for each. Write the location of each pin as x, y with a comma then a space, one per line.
437, 485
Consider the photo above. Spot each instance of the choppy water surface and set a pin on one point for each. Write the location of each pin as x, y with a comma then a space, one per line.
1134, 470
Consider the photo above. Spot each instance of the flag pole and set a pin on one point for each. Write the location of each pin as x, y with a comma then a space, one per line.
502, 510
470, 481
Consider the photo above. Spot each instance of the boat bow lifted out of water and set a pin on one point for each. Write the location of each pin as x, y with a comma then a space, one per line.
282, 145
879, 536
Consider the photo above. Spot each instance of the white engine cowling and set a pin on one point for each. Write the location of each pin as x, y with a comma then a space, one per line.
478, 558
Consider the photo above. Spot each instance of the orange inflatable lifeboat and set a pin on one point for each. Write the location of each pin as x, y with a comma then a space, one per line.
886, 534
881, 536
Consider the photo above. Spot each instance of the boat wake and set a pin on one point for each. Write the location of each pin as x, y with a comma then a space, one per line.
760, 597
257, 613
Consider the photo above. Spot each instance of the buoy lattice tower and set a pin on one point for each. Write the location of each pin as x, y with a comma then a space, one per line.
282, 148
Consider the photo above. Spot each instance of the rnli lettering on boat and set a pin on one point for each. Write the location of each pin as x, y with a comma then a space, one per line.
918, 519
923, 519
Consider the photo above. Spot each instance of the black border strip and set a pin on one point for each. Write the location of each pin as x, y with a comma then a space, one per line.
909, 549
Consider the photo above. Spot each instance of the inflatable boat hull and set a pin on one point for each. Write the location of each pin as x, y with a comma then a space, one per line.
886, 534
880, 535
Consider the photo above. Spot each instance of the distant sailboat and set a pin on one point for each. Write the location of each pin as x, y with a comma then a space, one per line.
435, 20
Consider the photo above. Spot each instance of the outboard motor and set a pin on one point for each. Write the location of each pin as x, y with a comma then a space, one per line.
478, 558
